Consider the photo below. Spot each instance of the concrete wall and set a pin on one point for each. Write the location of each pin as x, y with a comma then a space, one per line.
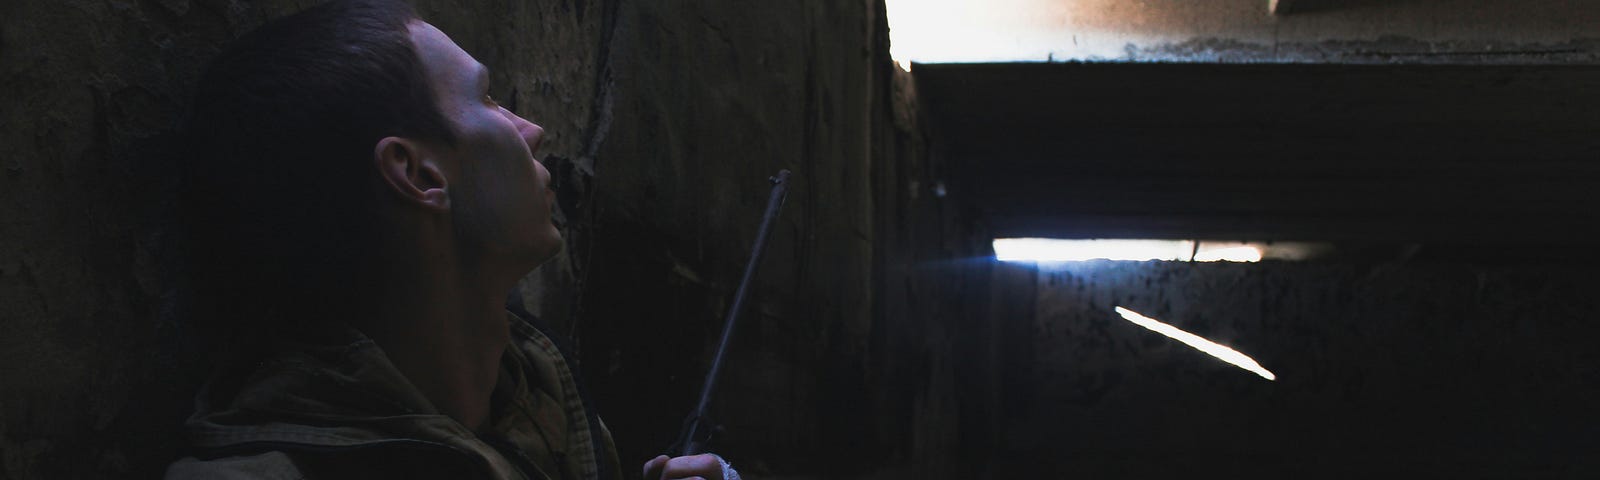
843, 365
1409, 370
664, 120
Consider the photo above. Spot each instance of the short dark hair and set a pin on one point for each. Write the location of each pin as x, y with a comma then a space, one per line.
279, 197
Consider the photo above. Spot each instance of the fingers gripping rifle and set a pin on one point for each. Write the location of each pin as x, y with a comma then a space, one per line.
696, 428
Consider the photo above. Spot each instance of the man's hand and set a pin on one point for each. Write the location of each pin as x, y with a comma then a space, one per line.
705, 466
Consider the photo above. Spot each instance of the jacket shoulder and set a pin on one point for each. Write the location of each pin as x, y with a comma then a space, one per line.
264, 466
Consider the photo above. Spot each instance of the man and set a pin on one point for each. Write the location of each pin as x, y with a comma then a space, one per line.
358, 207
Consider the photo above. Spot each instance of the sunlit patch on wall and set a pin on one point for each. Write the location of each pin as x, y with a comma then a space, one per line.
1214, 349
1060, 250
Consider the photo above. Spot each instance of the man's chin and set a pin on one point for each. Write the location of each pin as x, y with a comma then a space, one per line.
549, 248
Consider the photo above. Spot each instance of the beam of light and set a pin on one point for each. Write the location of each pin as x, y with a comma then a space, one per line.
1052, 250
1057, 250
1211, 348
1230, 254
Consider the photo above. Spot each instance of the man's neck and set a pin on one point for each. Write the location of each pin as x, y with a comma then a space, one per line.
445, 331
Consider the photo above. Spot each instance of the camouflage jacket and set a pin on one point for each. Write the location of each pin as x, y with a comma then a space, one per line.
341, 410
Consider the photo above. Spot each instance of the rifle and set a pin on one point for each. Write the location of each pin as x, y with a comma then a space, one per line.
696, 428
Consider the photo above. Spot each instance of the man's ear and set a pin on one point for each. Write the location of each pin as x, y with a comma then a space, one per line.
412, 172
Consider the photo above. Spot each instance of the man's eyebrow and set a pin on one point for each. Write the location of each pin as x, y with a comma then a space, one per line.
483, 77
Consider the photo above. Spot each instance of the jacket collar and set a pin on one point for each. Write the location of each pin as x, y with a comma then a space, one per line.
338, 392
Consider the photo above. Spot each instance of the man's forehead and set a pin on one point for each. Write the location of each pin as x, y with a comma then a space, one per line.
441, 57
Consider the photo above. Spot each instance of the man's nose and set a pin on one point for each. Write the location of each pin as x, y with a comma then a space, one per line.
531, 132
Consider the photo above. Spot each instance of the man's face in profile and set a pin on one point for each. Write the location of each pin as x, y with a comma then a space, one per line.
500, 197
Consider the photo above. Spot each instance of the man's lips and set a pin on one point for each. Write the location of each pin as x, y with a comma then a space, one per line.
533, 135
550, 199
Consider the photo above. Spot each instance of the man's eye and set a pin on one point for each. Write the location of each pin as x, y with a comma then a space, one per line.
489, 100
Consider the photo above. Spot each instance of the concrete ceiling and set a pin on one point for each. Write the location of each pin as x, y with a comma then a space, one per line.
1246, 31
1474, 154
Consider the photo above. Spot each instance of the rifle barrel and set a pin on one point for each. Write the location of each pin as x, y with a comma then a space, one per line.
694, 424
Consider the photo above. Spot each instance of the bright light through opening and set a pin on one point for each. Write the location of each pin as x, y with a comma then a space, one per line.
1054, 250
1229, 254
966, 30
940, 31
1211, 348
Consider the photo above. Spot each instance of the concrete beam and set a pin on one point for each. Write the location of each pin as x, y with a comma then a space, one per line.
1377, 153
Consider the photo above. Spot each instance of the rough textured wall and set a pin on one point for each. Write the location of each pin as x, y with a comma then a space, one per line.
1412, 370
843, 364
664, 119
